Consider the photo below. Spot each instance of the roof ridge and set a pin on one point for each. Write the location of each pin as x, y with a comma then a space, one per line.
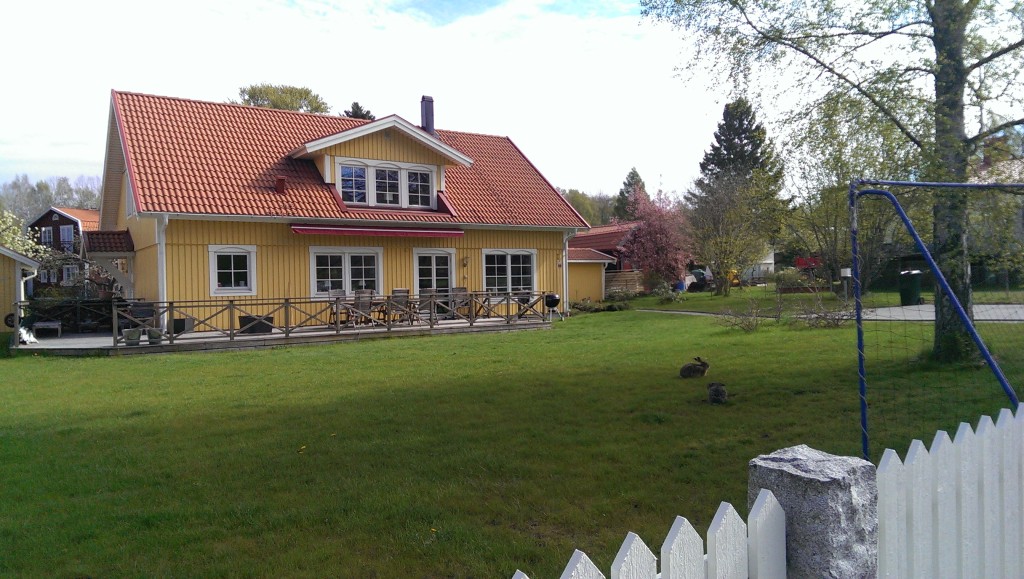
237, 105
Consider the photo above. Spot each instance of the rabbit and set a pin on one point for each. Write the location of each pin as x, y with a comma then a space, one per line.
692, 370
717, 393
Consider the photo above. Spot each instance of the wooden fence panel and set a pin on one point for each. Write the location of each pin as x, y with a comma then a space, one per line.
581, 567
1010, 470
969, 492
634, 560
682, 553
766, 528
892, 517
919, 510
946, 523
991, 505
727, 545
955, 510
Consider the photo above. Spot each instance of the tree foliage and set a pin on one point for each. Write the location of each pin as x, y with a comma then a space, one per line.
358, 112
936, 59
842, 139
29, 200
14, 236
632, 187
281, 96
596, 209
659, 246
736, 212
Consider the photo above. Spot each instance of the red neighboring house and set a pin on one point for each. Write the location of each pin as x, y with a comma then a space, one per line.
620, 274
607, 239
61, 228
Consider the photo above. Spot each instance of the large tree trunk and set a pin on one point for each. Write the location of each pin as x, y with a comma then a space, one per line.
952, 342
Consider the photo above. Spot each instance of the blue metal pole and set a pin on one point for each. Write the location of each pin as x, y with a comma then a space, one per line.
861, 376
964, 318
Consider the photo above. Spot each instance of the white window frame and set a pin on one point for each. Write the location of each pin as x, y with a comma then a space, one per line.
46, 235
43, 276
533, 264
69, 273
347, 252
250, 251
67, 243
452, 268
403, 181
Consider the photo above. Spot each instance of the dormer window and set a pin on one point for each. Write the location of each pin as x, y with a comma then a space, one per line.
385, 184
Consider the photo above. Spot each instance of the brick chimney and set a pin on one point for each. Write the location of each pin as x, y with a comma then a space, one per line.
427, 114
279, 184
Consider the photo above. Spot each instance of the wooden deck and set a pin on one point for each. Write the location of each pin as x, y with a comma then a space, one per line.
102, 344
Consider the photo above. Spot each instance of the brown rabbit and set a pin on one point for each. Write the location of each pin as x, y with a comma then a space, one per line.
692, 370
717, 393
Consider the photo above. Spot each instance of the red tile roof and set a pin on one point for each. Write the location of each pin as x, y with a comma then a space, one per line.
89, 218
587, 254
604, 237
194, 157
108, 242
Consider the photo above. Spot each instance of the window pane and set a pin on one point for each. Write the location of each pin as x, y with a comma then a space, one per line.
419, 188
330, 272
223, 263
352, 184
387, 186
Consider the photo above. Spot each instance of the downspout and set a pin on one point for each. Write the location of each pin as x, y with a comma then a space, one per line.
565, 269
161, 257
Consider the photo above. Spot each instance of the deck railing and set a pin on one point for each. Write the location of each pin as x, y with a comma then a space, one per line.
242, 317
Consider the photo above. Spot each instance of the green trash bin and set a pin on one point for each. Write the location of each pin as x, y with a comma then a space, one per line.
910, 287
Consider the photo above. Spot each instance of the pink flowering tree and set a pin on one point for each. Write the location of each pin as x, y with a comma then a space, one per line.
659, 246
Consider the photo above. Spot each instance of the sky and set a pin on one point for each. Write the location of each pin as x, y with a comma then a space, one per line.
587, 90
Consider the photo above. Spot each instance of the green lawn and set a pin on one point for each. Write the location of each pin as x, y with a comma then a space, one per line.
449, 456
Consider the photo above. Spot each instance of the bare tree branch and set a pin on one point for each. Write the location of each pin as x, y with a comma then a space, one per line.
994, 55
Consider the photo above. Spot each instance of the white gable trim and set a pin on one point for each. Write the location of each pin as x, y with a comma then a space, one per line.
19, 258
393, 121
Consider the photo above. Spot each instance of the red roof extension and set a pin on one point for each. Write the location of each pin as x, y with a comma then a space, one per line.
604, 237
587, 254
193, 157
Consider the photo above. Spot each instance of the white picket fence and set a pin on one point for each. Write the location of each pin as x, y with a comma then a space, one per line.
735, 550
954, 511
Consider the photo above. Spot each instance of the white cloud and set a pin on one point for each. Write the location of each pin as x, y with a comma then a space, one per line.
585, 95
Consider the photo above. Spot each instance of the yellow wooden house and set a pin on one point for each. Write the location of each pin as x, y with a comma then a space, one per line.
206, 200
15, 270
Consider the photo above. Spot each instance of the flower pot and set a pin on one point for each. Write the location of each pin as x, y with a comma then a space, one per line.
155, 336
132, 336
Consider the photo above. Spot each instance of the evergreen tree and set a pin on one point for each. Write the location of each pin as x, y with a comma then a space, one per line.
358, 112
632, 186
736, 212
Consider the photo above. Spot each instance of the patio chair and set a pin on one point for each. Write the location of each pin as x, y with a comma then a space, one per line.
461, 305
337, 306
427, 305
362, 308
402, 308
138, 314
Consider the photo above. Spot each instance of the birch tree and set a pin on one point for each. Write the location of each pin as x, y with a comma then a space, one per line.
949, 59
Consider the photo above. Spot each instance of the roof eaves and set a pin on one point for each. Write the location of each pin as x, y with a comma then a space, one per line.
19, 257
391, 121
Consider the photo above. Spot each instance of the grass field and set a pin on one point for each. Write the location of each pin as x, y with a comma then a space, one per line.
449, 456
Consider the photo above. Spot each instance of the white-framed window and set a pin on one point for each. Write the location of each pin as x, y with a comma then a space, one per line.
434, 269
70, 274
46, 235
344, 269
385, 184
43, 276
509, 270
67, 237
232, 270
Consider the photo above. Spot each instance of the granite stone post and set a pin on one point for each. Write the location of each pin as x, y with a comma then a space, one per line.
831, 505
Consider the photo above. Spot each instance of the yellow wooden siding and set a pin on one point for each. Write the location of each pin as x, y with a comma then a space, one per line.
282, 257
122, 211
146, 280
9, 278
586, 281
386, 145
